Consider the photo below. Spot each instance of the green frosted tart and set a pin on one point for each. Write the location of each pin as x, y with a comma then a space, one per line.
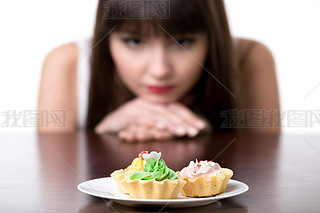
155, 181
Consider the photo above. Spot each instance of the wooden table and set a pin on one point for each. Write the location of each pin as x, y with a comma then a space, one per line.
41, 172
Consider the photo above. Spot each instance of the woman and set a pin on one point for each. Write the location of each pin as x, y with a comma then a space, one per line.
158, 77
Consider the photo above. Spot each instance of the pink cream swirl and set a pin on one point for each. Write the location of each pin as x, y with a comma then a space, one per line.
201, 168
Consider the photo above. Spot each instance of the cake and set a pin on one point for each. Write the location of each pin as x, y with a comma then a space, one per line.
120, 175
155, 181
204, 178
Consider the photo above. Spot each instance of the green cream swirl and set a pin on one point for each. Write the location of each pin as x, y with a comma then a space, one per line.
156, 170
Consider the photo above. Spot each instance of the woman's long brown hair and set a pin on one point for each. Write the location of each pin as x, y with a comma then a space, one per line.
107, 92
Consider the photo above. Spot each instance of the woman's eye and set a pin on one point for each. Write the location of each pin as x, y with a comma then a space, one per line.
185, 42
132, 42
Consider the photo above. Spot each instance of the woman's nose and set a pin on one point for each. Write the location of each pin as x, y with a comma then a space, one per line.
159, 64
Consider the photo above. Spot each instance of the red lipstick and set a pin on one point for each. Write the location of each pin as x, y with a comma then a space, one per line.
160, 89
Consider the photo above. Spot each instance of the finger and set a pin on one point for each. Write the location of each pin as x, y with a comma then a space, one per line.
160, 134
141, 114
171, 121
145, 133
126, 136
182, 120
152, 121
175, 124
186, 114
146, 115
178, 119
193, 122
142, 136
165, 135
141, 133
146, 121
152, 117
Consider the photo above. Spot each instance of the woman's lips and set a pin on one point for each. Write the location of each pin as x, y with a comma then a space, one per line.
160, 89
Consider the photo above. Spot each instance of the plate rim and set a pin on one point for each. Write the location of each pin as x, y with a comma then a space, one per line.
160, 201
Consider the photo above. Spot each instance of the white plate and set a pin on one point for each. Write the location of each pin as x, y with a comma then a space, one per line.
107, 188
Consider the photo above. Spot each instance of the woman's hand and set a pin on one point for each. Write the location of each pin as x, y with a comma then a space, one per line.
175, 118
132, 111
136, 132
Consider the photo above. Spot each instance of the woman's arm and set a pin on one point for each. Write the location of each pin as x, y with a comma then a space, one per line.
258, 88
58, 90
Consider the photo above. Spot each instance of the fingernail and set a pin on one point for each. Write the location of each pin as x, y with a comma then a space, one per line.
160, 125
200, 124
180, 130
141, 136
157, 135
122, 134
129, 136
193, 132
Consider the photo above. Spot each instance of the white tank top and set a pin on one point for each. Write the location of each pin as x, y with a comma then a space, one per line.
83, 73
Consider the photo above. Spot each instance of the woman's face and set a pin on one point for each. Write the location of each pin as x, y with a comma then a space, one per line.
155, 67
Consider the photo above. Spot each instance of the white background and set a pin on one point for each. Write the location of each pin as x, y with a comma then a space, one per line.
30, 29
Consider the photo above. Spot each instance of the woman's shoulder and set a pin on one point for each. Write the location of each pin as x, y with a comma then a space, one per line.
258, 87
59, 84
251, 53
61, 61
64, 55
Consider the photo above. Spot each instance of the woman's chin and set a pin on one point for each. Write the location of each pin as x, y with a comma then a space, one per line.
159, 99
